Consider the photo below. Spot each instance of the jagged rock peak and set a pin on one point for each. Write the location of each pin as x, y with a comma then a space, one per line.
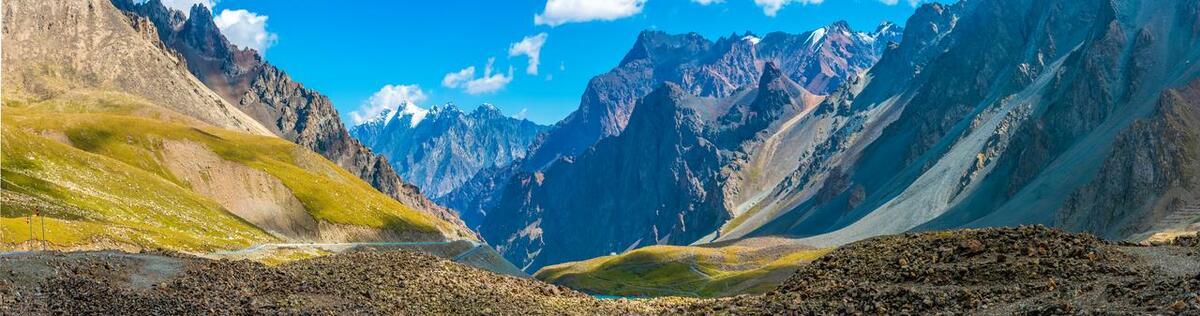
657, 46
487, 108
770, 73
840, 26
449, 107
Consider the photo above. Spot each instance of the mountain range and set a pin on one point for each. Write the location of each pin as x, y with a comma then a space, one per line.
286, 108
441, 148
676, 111
973, 114
129, 125
1004, 114
987, 157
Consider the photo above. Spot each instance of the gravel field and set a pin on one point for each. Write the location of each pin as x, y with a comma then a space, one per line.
1027, 270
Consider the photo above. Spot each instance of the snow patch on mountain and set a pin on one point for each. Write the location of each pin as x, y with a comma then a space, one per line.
816, 36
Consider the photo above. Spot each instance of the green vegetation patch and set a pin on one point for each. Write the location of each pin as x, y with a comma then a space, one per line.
94, 161
91, 198
681, 271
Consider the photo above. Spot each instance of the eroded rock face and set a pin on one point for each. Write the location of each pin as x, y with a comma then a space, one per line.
270, 96
1009, 114
819, 60
1149, 181
54, 47
251, 194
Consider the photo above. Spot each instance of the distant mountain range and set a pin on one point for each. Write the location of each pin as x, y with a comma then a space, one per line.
441, 148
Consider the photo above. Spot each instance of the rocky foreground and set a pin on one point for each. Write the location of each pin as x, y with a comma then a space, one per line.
1028, 270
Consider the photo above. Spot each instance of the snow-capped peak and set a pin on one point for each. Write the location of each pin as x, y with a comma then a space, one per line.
448, 107
752, 39
379, 119
417, 113
816, 36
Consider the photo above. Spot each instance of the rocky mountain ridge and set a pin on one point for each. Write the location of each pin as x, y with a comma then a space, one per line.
818, 59
269, 95
658, 182
1032, 124
110, 143
107, 50
1036, 123
732, 93
717, 69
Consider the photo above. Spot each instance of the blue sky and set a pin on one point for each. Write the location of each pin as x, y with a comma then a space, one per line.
351, 50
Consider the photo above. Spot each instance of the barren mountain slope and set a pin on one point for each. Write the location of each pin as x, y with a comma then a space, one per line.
265, 92
109, 169
1033, 122
53, 47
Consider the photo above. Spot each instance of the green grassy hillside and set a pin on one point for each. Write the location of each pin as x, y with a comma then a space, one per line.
95, 163
683, 270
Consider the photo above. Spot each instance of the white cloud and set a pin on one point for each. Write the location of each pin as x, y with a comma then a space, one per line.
708, 2
246, 29
388, 99
186, 5
490, 82
559, 12
454, 79
912, 3
521, 115
530, 46
771, 7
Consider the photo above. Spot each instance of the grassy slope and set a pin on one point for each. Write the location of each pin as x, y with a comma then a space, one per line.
107, 185
682, 271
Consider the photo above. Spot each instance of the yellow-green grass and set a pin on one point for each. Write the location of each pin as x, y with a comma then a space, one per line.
93, 159
282, 256
91, 199
682, 271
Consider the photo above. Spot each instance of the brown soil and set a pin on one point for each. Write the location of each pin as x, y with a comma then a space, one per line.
1027, 270
388, 282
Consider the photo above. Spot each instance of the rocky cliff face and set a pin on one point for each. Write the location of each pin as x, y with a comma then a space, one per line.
1066, 113
644, 187
1076, 114
820, 60
658, 182
270, 96
88, 45
447, 147
722, 78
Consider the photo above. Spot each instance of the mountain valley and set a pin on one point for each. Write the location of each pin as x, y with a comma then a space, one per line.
982, 157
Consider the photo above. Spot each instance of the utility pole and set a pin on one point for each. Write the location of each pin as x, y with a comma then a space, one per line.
31, 240
43, 232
